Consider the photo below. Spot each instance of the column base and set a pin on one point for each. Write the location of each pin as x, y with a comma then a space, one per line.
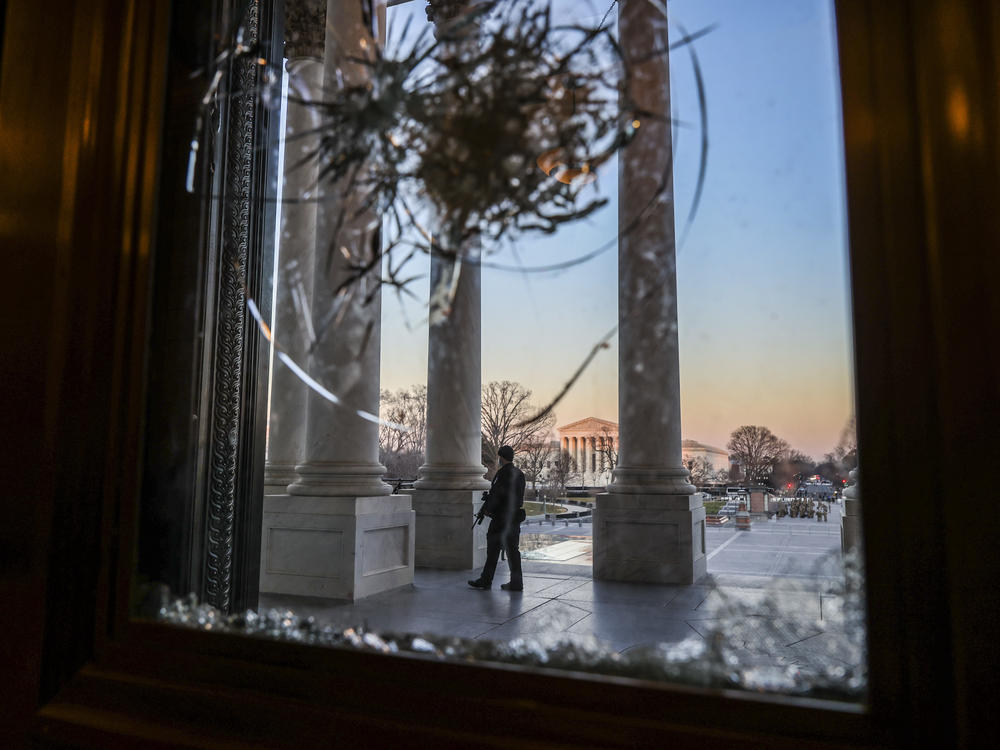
451, 477
649, 538
644, 480
445, 537
277, 477
336, 547
335, 479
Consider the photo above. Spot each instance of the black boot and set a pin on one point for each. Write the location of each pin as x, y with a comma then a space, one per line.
479, 583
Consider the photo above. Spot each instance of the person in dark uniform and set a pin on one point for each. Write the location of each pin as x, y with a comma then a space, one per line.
504, 508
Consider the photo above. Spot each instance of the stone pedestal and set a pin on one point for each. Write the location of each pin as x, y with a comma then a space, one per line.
649, 538
336, 547
446, 538
742, 518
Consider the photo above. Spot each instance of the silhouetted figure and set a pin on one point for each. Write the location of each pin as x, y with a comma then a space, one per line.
504, 509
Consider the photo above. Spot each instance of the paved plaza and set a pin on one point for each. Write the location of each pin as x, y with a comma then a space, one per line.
774, 590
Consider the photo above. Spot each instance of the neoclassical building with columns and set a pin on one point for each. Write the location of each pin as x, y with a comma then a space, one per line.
592, 443
717, 458
331, 526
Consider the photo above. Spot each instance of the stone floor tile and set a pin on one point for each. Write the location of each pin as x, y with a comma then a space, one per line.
556, 590
535, 585
560, 570
640, 615
688, 597
760, 635
764, 602
614, 591
827, 649
632, 631
422, 625
548, 620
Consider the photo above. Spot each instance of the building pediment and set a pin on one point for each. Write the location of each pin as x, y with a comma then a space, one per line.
589, 426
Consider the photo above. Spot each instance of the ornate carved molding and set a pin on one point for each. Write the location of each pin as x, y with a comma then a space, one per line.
231, 322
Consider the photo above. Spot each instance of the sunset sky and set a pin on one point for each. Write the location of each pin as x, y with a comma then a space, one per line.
762, 274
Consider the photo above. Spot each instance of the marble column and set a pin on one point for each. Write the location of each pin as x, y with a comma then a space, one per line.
340, 533
850, 520
450, 485
449, 489
293, 279
588, 457
649, 526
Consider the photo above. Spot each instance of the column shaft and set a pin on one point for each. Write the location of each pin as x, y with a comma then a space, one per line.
293, 279
649, 526
648, 364
341, 446
448, 491
454, 383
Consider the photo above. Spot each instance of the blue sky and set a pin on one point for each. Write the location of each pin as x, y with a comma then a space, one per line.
762, 274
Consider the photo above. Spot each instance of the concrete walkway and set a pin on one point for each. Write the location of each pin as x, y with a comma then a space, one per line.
773, 591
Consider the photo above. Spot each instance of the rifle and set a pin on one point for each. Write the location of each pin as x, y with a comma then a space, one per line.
482, 511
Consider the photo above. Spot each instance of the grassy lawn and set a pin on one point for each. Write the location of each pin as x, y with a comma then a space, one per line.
535, 509
712, 507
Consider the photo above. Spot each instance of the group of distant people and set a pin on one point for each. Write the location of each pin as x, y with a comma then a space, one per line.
801, 507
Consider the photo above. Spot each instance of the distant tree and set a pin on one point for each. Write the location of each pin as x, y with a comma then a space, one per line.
534, 459
507, 408
702, 471
757, 450
846, 450
401, 449
608, 450
792, 467
839, 462
561, 468
401, 465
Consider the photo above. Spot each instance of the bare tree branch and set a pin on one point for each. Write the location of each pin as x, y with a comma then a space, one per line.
506, 419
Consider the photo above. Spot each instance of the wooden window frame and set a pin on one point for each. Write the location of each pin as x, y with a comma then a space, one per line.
921, 137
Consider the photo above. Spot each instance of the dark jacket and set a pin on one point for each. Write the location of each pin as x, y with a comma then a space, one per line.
506, 497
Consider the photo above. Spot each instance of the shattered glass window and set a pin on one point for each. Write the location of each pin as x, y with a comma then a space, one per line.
609, 237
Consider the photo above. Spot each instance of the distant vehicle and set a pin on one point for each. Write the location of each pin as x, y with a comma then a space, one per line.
822, 490
735, 491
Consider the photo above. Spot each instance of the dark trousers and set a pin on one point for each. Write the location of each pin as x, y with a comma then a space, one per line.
496, 540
